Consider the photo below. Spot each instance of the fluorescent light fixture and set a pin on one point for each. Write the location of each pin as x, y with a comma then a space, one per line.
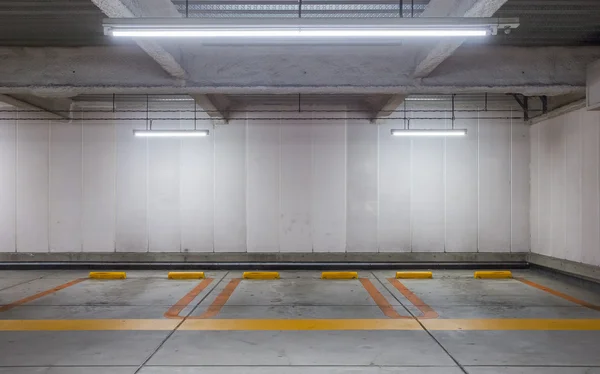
297, 33
170, 133
414, 132
248, 29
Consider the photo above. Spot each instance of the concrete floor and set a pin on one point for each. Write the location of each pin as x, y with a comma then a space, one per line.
53, 322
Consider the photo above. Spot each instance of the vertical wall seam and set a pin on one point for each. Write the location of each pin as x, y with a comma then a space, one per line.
445, 178
214, 182
346, 177
280, 122
180, 187
246, 136
81, 183
478, 184
312, 182
564, 134
377, 246
16, 215
49, 192
580, 128
147, 194
410, 196
115, 172
511, 177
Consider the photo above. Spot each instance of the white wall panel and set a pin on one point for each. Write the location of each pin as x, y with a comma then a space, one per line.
65, 186
263, 198
230, 187
197, 190
8, 161
296, 182
164, 234
494, 184
590, 211
394, 190
545, 190
534, 135
99, 185
461, 189
558, 234
427, 186
131, 193
299, 185
573, 163
362, 182
566, 197
32, 184
520, 189
328, 215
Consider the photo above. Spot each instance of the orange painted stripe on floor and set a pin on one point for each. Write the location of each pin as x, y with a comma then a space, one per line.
40, 295
426, 310
559, 294
215, 308
380, 300
174, 311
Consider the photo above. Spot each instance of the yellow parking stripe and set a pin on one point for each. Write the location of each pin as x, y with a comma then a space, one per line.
511, 324
300, 324
89, 325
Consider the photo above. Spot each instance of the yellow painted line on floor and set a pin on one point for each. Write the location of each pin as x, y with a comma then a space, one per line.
261, 275
511, 324
302, 325
299, 324
89, 325
339, 275
186, 275
174, 311
505, 274
559, 294
414, 275
15, 304
108, 275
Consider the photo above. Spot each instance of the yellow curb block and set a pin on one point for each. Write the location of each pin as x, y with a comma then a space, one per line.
108, 275
261, 275
414, 275
339, 275
186, 275
493, 274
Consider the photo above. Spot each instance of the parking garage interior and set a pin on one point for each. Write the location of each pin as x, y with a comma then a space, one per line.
299, 186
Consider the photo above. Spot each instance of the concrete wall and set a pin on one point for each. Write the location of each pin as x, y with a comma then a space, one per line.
565, 187
294, 185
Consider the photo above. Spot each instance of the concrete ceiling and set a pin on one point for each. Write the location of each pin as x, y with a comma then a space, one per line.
56, 48
78, 22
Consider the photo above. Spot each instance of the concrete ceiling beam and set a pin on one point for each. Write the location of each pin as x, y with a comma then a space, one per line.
58, 109
385, 107
147, 8
217, 106
106, 70
453, 8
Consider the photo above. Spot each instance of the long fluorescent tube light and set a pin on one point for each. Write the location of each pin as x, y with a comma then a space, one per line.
305, 28
298, 33
410, 132
170, 133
